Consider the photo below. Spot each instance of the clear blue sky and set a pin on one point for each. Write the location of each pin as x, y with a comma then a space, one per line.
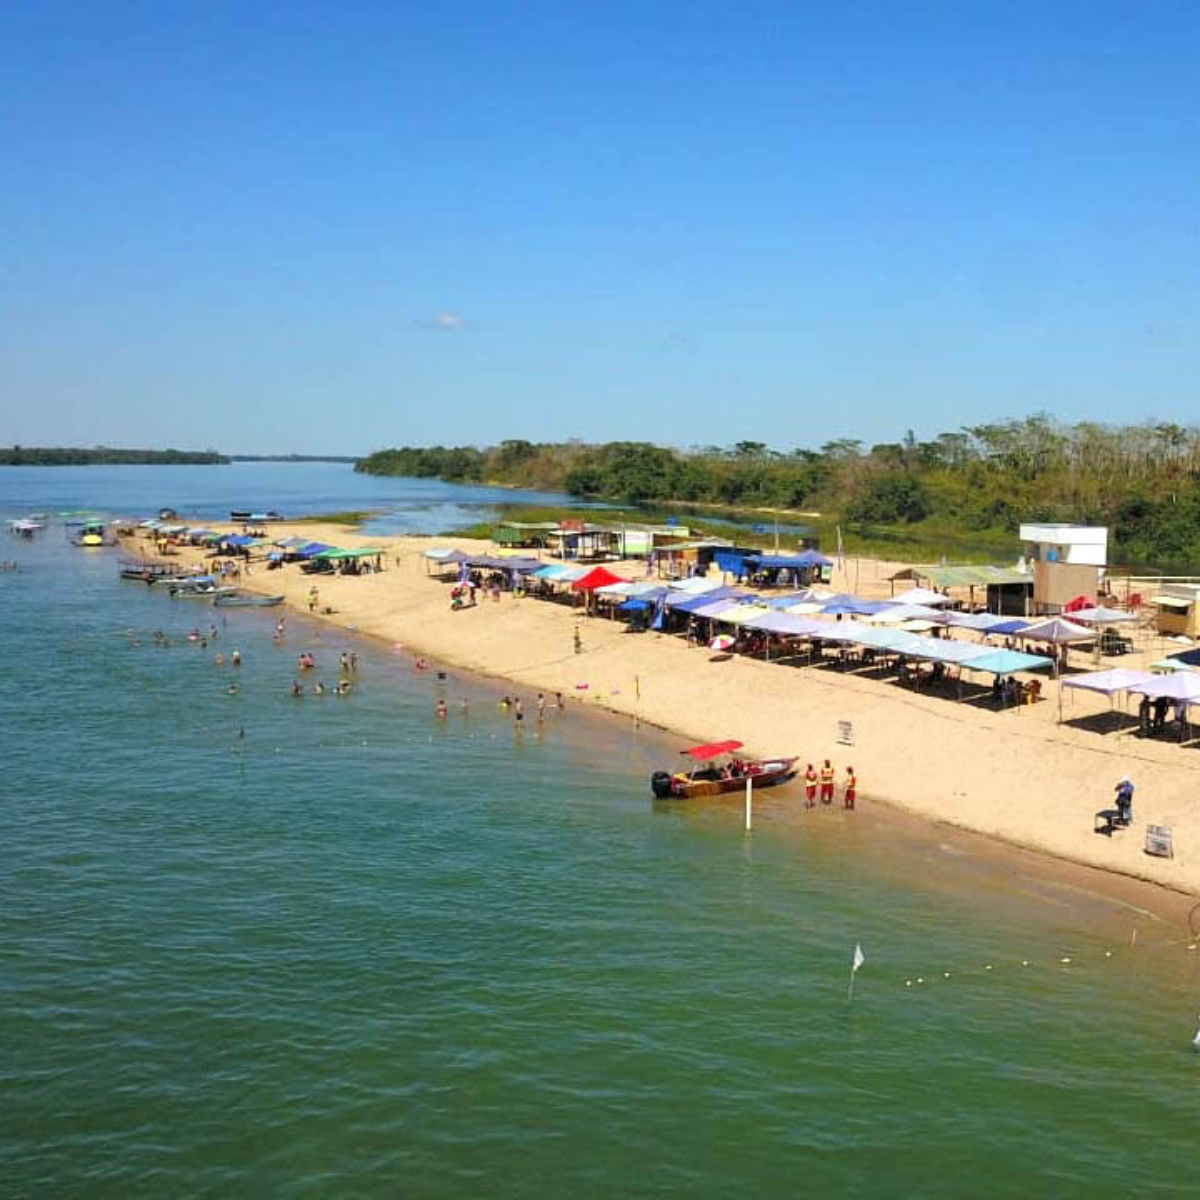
338, 226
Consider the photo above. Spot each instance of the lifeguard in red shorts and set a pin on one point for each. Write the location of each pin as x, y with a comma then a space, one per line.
851, 791
827, 783
810, 786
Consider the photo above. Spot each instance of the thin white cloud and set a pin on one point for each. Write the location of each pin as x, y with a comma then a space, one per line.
444, 322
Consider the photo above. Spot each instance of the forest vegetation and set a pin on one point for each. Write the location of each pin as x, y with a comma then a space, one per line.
65, 456
1142, 481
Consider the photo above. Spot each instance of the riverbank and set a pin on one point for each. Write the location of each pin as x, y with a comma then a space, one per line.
1016, 775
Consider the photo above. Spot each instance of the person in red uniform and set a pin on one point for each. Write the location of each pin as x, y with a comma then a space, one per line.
810, 787
827, 783
851, 788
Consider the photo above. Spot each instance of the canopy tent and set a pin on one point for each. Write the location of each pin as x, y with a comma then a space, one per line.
852, 606
697, 584
1119, 679
1006, 627
692, 604
981, 622
1186, 658
1008, 662
714, 608
1057, 630
634, 605
1170, 664
559, 573
895, 614
920, 595
312, 549
785, 624
359, 552
739, 614
1182, 686
1102, 616
1171, 602
597, 577
292, 543
712, 750
438, 555
523, 566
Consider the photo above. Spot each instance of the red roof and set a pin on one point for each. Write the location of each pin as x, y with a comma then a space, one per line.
595, 578
712, 750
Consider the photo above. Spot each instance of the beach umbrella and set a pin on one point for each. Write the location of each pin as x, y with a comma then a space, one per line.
724, 642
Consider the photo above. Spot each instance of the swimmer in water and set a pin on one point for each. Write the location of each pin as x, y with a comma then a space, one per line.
236, 658
439, 710
297, 690
232, 690
419, 665
219, 660
318, 688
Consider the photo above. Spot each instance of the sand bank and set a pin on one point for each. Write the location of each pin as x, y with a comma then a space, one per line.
1016, 774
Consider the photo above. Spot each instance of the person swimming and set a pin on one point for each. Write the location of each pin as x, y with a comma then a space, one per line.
297, 690
318, 688
439, 710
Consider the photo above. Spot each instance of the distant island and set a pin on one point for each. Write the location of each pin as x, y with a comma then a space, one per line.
295, 458
976, 483
64, 456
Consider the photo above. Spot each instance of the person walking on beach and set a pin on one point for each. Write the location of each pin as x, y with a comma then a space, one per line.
1124, 790
851, 791
312, 598
519, 710
827, 783
541, 706
810, 787
559, 701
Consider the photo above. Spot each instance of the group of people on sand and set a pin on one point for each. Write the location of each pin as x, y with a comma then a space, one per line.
826, 780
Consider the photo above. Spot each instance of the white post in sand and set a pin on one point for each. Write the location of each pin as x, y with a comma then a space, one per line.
749, 803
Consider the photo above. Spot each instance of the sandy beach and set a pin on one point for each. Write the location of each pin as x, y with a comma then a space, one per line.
1016, 774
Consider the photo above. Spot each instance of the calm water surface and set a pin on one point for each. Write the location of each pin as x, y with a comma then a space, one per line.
260, 946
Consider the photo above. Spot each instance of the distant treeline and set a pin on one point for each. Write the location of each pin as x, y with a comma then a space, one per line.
63, 456
1143, 481
294, 458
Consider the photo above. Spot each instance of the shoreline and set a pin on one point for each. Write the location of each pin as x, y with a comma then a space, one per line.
980, 759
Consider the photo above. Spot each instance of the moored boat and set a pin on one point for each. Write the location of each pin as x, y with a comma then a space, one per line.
718, 770
246, 600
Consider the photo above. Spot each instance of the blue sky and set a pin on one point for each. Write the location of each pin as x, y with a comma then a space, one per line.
334, 227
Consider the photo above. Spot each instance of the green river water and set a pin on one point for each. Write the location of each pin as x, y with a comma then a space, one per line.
331, 947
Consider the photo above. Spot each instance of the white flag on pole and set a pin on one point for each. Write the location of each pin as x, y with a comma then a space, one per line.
855, 963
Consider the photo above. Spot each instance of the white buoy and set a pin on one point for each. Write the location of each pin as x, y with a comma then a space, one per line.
749, 803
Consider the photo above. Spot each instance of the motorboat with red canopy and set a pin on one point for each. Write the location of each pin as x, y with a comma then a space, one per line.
713, 778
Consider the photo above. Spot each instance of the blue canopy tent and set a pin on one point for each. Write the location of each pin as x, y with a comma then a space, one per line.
1006, 662
1007, 627
689, 604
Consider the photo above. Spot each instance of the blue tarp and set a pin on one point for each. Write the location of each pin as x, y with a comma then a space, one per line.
793, 562
634, 605
311, 550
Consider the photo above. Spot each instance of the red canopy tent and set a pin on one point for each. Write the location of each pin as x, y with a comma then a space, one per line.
597, 577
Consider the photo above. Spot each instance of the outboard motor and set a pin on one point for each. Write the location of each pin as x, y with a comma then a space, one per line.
660, 784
